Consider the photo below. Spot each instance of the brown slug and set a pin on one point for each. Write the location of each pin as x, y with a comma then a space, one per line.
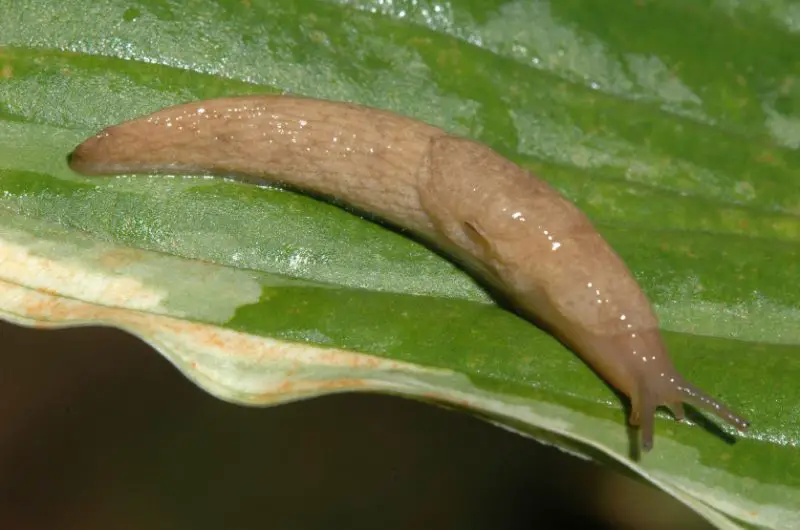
496, 219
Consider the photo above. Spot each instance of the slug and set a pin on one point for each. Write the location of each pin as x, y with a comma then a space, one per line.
497, 220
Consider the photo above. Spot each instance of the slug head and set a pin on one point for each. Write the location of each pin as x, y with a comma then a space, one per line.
637, 363
627, 352
619, 338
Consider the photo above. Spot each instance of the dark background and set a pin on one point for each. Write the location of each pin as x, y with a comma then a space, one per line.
99, 431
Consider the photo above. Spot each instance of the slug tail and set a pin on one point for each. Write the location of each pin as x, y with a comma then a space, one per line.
696, 397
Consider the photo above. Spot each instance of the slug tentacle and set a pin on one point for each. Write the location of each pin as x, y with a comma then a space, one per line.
498, 220
694, 396
677, 410
646, 400
643, 413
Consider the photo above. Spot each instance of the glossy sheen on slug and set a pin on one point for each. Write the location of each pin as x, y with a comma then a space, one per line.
499, 221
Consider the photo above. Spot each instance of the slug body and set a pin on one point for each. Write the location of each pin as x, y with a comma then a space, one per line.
496, 219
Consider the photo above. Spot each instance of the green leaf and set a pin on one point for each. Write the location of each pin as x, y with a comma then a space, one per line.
675, 124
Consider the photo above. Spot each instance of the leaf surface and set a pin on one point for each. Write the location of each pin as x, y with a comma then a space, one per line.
674, 125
